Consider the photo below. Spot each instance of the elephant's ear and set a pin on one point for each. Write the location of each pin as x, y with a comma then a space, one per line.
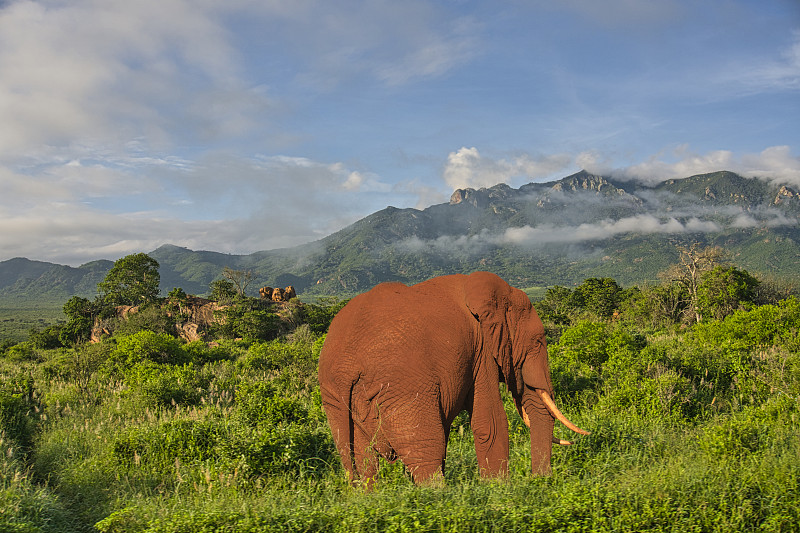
486, 297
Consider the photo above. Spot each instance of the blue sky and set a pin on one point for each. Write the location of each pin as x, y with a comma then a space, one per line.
247, 125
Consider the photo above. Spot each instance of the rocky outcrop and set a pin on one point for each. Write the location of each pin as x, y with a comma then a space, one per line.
193, 316
277, 295
785, 194
483, 197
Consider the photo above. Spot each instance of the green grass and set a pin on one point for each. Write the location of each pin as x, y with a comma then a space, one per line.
17, 317
693, 430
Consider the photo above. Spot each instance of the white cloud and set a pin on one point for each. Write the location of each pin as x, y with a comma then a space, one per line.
534, 236
773, 163
467, 168
640, 224
112, 71
780, 73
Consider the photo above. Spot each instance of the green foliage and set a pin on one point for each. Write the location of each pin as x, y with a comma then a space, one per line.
693, 429
258, 404
319, 316
133, 280
48, 338
150, 317
156, 384
247, 318
163, 444
222, 291
17, 401
600, 297
80, 314
724, 290
146, 345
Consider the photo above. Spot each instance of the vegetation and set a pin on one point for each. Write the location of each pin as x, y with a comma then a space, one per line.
693, 422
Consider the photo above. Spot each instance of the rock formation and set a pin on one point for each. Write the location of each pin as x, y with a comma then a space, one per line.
277, 295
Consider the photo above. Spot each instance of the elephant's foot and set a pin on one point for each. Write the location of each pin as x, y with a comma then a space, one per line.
436, 480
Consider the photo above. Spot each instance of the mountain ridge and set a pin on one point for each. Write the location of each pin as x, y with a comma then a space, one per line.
558, 232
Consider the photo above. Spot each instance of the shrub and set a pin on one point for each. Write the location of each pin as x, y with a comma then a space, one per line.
185, 440
23, 351
47, 338
663, 395
274, 354
273, 450
249, 319
748, 430
162, 385
146, 345
151, 317
256, 404
585, 342
18, 410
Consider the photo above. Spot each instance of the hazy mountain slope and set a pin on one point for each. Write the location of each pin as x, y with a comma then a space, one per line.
22, 278
559, 232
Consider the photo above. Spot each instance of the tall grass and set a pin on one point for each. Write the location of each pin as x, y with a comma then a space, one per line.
688, 434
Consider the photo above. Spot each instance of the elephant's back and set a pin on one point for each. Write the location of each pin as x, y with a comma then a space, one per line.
389, 321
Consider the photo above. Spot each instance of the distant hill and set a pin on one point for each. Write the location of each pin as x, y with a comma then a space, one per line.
540, 234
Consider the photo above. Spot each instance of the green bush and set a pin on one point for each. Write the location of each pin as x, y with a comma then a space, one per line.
146, 345
162, 384
23, 351
189, 441
275, 450
19, 411
256, 404
661, 394
249, 319
749, 430
275, 354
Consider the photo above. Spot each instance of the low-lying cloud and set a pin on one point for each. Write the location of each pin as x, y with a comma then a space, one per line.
467, 167
528, 236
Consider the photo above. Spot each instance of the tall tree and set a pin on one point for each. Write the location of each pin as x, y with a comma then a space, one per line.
693, 262
240, 279
133, 280
725, 290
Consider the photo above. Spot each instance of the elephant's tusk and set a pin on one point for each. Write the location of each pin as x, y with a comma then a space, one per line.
551, 406
561, 442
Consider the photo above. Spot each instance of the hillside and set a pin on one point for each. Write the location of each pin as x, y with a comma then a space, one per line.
540, 234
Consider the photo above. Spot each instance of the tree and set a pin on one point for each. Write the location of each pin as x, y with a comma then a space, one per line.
240, 279
222, 291
556, 305
80, 317
598, 296
693, 262
725, 290
133, 280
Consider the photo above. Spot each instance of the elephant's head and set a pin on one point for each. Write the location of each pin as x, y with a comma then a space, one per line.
515, 336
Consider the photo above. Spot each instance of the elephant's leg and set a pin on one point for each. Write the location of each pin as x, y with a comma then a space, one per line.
366, 457
490, 429
341, 424
416, 432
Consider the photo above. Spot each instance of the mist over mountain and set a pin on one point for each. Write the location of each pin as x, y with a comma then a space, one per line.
540, 234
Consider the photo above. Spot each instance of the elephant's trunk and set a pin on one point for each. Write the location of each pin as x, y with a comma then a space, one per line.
551, 406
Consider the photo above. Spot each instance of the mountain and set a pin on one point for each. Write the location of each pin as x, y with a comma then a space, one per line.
540, 234
25, 279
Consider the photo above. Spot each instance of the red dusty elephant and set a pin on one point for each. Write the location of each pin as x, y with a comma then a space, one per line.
399, 363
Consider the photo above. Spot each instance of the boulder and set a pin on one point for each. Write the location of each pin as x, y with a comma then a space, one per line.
278, 295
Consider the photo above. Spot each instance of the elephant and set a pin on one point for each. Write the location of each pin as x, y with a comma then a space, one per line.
399, 363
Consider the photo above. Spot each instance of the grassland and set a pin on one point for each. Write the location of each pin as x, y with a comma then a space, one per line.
18, 317
693, 429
